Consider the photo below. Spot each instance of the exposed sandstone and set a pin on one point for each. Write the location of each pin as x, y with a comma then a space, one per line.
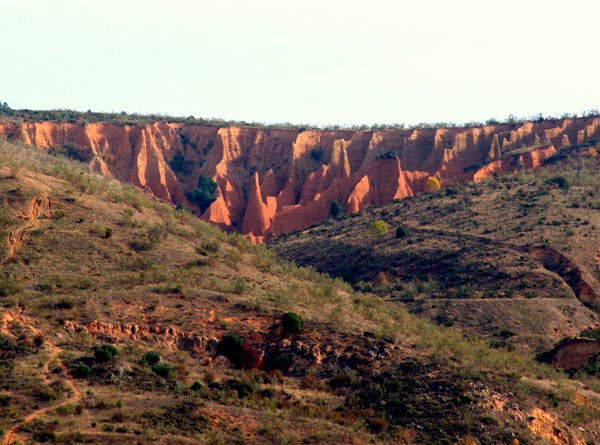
196, 345
272, 181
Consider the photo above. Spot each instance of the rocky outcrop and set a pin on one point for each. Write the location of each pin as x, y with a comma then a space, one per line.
272, 181
573, 353
577, 278
196, 345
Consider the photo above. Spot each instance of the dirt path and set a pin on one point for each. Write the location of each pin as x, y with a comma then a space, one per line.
12, 435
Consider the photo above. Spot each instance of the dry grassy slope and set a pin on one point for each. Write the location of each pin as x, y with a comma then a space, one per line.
97, 262
518, 253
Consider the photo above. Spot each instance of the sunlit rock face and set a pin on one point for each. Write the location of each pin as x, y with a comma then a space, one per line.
273, 181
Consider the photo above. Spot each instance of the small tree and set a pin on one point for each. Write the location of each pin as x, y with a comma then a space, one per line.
292, 323
432, 184
82, 372
151, 357
105, 353
205, 194
335, 209
164, 370
379, 228
401, 232
230, 345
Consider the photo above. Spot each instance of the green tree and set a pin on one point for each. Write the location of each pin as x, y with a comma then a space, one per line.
82, 372
151, 357
335, 209
105, 353
164, 370
379, 228
292, 323
205, 194
401, 232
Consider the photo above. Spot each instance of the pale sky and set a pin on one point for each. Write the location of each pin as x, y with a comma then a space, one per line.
319, 62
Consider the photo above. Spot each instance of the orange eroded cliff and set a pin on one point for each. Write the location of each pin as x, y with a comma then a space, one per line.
273, 181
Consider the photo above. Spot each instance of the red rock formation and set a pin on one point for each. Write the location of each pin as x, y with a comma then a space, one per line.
272, 181
196, 345
574, 353
258, 217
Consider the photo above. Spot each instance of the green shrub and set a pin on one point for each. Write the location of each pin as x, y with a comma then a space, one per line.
558, 181
181, 165
292, 323
205, 194
156, 232
142, 244
282, 361
317, 154
335, 209
379, 228
82, 372
151, 357
210, 246
239, 286
72, 152
229, 345
197, 386
150, 239
401, 232
10, 286
243, 389
390, 154
64, 303
164, 370
105, 353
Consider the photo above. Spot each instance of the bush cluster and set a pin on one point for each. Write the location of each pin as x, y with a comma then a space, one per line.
204, 195
240, 354
105, 353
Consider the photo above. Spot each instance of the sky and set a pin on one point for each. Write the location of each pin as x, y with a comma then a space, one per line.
312, 61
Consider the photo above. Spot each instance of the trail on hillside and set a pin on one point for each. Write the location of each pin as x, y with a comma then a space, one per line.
8, 317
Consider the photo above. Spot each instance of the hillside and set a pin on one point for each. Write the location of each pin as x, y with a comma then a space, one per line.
96, 276
511, 256
263, 182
